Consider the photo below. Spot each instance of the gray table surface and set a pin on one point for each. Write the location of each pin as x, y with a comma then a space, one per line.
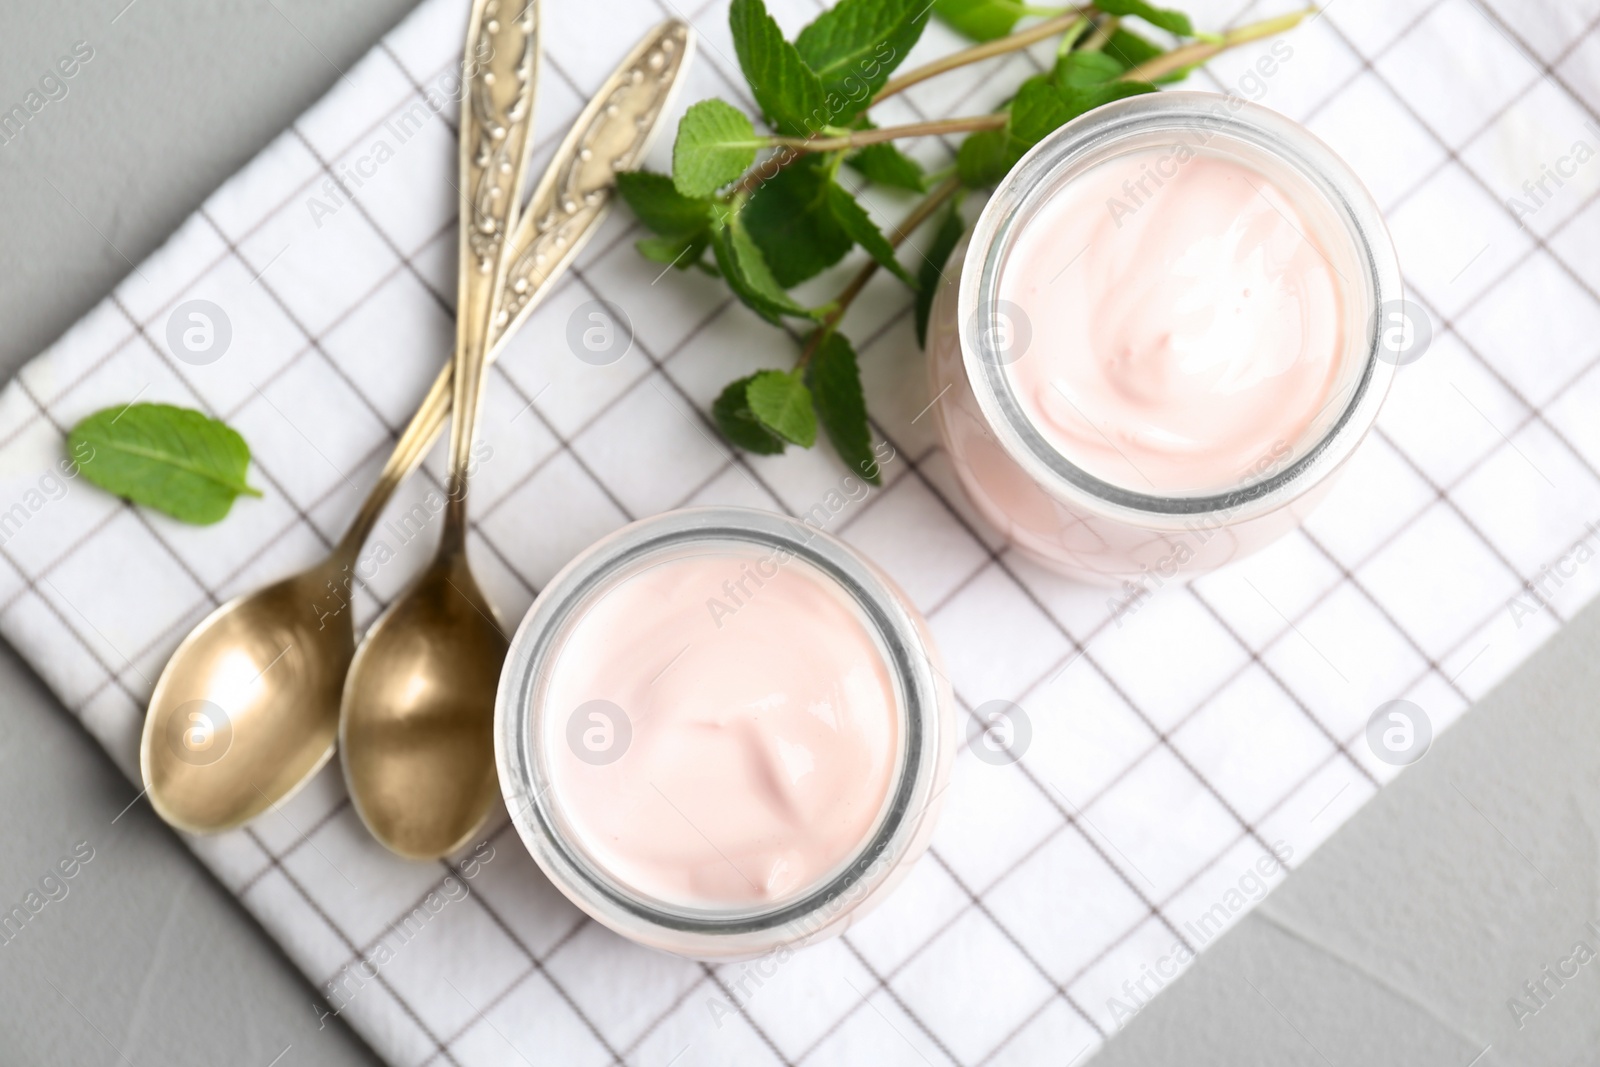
1399, 942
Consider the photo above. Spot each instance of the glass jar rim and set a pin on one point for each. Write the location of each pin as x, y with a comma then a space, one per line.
1177, 112
519, 733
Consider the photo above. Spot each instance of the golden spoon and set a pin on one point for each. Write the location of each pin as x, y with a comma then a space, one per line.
407, 729
416, 728
259, 680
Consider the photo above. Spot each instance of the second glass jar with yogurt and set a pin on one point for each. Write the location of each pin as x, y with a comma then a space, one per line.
723, 733
1161, 340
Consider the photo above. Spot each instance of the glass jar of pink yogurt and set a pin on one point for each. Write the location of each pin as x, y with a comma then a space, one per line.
1161, 340
722, 733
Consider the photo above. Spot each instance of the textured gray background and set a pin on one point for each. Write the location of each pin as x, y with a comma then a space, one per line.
1399, 942
1401, 939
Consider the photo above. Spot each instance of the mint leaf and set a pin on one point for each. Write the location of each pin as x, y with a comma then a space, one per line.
741, 262
854, 45
789, 92
1172, 21
680, 252
1040, 107
1129, 49
655, 199
835, 381
1085, 98
175, 460
988, 155
887, 165
790, 219
983, 158
738, 423
783, 404
716, 144
981, 20
1086, 68
864, 232
931, 274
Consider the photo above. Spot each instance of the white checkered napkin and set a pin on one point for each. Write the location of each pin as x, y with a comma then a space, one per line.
1167, 750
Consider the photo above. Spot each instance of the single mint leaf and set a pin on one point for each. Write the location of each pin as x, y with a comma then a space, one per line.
790, 219
789, 92
835, 381
1040, 108
988, 155
738, 423
981, 20
854, 45
655, 199
1086, 68
1175, 22
783, 404
680, 252
1129, 49
175, 460
931, 274
742, 264
864, 232
887, 165
984, 158
1085, 98
716, 144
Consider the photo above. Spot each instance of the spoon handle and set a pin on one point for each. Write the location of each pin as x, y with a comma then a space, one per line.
496, 129
612, 134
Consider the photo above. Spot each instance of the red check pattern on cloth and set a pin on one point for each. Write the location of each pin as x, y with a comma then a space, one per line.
1173, 746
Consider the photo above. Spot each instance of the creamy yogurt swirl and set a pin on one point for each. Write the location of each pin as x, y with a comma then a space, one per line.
1184, 325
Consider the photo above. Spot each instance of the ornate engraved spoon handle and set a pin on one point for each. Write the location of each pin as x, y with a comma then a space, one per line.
612, 134
496, 130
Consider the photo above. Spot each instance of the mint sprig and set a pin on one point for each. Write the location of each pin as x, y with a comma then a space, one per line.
767, 211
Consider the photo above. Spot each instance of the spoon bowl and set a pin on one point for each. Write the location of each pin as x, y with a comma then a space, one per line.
417, 740
249, 709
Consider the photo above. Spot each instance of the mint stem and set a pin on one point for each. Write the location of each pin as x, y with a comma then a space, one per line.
977, 53
1191, 54
916, 217
862, 138
1070, 38
1101, 36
